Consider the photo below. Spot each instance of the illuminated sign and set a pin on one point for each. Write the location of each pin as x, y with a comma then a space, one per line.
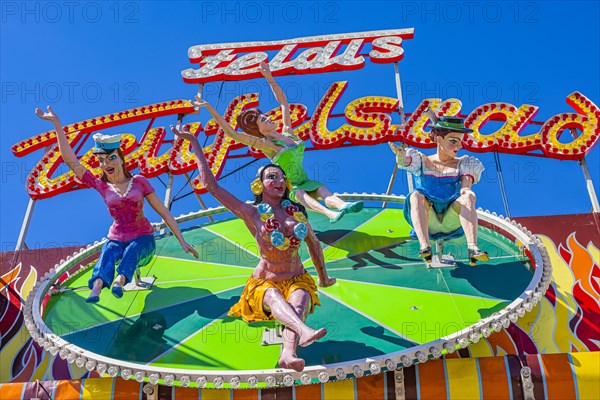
308, 55
368, 122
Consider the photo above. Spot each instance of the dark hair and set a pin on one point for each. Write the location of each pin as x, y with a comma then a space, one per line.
286, 194
247, 120
127, 174
435, 132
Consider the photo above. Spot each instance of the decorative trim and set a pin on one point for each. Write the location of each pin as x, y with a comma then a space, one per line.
114, 188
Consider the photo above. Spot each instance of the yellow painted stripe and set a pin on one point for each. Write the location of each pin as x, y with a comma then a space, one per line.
339, 390
97, 389
462, 378
215, 394
586, 367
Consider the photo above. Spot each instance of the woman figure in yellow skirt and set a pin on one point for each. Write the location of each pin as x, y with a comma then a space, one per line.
279, 288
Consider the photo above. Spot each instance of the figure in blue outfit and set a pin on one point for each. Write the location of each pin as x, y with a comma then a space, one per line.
442, 205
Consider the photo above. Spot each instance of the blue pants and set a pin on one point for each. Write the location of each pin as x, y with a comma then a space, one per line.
130, 255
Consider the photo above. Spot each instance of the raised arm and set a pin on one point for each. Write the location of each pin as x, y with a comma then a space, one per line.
279, 95
64, 147
166, 215
316, 254
266, 146
236, 206
400, 151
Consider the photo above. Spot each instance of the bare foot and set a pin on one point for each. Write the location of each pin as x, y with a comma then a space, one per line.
308, 339
328, 281
290, 361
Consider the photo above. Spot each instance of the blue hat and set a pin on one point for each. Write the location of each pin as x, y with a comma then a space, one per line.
106, 143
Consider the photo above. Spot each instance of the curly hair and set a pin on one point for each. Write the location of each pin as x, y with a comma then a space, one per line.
247, 120
286, 194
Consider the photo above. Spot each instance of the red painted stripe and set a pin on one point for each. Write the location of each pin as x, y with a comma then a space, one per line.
495, 384
185, 394
249, 394
432, 380
268, 394
308, 392
559, 377
126, 390
370, 387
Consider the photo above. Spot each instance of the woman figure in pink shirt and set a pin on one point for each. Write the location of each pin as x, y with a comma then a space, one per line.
131, 236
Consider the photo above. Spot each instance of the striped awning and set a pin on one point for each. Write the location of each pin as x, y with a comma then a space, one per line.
564, 376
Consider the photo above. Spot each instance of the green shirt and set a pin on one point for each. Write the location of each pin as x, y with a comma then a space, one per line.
290, 158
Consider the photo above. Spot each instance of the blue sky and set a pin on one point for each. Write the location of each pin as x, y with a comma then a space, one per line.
92, 58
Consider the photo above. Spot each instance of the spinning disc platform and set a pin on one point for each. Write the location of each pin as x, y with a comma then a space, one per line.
386, 310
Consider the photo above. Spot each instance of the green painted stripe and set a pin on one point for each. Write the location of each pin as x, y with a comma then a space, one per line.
211, 246
500, 278
382, 295
228, 343
174, 268
350, 335
418, 315
144, 337
236, 232
329, 233
383, 229
72, 313
320, 223
219, 345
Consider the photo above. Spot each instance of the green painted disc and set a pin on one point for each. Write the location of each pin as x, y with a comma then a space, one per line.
385, 299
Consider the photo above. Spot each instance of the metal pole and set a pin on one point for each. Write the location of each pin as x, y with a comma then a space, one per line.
402, 120
501, 183
198, 197
391, 183
409, 177
590, 185
29, 212
168, 196
25, 225
588, 179
399, 91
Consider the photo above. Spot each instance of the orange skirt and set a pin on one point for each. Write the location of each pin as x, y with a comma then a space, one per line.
250, 305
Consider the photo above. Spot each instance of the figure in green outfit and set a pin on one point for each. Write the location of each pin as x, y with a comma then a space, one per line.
285, 150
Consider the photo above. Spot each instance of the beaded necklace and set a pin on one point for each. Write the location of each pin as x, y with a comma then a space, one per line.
277, 239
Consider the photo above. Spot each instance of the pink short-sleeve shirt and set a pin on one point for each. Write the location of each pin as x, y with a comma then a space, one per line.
127, 210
